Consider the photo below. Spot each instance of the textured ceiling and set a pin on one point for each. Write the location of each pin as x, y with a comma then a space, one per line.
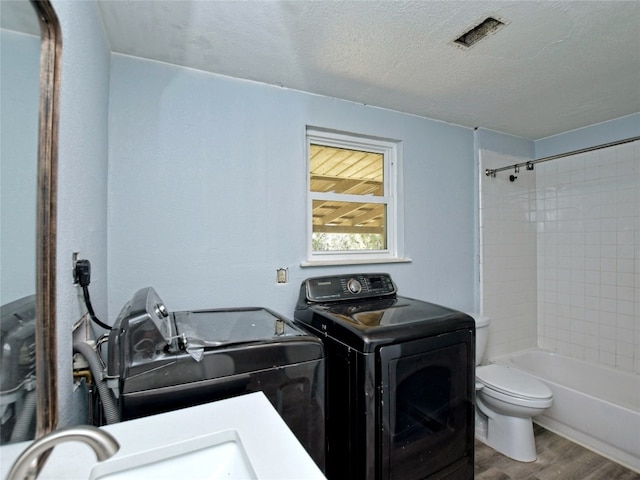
555, 67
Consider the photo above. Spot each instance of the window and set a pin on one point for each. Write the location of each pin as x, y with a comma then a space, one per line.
352, 201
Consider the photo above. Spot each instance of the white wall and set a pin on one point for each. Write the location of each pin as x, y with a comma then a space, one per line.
588, 256
508, 255
207, 190
590, 298
82, 186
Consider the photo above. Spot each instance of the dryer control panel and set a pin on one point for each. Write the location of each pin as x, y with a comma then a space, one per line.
349, 287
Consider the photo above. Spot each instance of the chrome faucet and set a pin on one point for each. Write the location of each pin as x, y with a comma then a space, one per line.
102, 443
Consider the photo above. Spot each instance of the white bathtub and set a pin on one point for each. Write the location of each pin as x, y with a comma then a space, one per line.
593, 405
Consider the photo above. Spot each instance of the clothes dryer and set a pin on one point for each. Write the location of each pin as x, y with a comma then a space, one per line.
400, 380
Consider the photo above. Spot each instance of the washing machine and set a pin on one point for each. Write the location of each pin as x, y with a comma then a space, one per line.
160, 360
400, 380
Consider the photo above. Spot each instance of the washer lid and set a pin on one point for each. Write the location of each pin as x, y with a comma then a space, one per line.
512, 382
236, 326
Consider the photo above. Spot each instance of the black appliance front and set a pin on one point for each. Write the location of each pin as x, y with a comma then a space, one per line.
161, 361
400, 389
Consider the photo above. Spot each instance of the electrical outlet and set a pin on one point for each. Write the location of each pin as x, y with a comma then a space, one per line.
282, 275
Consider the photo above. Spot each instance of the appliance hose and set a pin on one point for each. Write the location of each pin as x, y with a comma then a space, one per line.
111, 412
24, 426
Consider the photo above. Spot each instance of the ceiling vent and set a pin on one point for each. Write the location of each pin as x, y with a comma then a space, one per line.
477, 33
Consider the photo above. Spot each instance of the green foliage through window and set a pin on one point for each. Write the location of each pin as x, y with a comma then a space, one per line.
344, 242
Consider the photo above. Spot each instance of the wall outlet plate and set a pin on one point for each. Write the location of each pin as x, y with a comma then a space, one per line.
282, 275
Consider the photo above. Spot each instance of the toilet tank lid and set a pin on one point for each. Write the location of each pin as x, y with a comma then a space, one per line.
480, 319
512, 382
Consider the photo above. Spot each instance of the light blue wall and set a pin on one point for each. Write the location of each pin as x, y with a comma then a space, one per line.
19, 97
82, 179
207, 190
598, 134
505, 144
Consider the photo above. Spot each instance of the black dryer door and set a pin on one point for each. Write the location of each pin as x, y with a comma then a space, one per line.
427, 409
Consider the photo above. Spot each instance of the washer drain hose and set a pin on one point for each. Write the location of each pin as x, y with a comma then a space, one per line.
111, 412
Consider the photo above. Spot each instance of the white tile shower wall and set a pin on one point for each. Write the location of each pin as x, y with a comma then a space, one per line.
508, 255
588, 217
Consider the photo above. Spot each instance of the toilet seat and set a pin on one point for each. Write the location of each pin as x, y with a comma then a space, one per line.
504, 382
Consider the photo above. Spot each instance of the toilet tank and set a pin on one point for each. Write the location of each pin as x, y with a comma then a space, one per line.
482, 334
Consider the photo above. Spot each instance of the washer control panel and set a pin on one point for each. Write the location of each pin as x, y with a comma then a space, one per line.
349, 287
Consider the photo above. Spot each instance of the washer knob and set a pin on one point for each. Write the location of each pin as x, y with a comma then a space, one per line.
354, 286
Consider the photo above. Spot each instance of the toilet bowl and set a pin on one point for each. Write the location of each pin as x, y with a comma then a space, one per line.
509, 399
506, 401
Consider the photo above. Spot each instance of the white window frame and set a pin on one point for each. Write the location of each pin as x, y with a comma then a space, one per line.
391, 151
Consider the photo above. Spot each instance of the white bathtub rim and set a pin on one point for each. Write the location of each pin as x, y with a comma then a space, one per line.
506, 360
501, 358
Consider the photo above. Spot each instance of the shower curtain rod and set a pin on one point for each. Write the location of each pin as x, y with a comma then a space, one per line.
491, 172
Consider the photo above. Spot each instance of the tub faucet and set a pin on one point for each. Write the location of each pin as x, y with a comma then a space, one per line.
102, 443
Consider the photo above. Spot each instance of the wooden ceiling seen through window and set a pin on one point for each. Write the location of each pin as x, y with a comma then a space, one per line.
342, 171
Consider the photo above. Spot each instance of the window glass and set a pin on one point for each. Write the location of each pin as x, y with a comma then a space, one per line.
341, 170
345, 226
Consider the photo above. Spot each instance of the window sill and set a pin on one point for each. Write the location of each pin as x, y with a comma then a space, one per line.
327, 263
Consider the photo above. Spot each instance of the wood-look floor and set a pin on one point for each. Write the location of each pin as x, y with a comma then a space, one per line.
558, 459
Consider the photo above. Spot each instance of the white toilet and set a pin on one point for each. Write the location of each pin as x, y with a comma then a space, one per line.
506, 399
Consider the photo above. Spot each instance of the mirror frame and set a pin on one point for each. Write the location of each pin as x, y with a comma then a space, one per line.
46, 213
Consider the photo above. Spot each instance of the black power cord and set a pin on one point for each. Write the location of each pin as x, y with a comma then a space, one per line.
82, 276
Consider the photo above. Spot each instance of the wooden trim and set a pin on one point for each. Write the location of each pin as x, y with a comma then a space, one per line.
347, 229
46, 332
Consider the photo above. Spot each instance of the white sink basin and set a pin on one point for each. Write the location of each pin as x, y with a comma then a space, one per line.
219, 455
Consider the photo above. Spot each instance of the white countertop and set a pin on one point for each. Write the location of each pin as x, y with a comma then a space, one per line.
273, 450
